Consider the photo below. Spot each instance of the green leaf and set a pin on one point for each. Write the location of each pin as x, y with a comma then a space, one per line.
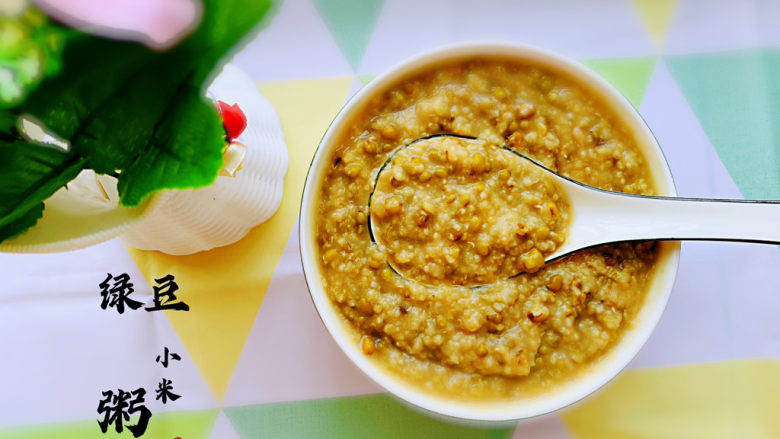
20, 225
126, 108
8, 131
184, 151
30, 49
106, 81
30, 174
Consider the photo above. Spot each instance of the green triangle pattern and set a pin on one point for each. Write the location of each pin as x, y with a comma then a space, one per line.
351, 23
375, 416
736, 97
629, 75
365, 79
185, 424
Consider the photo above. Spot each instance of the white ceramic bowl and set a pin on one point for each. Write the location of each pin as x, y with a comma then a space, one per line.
567, 392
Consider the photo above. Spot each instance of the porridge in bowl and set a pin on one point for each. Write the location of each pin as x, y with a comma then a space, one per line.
460, 211
436, 297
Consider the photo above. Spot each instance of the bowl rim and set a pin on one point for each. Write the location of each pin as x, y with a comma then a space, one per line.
620, 353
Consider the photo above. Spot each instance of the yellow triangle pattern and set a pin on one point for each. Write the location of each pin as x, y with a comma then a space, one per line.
224, 287
656, 17
730, 399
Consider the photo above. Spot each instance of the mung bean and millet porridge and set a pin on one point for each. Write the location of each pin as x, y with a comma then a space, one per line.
458, 211
437, 298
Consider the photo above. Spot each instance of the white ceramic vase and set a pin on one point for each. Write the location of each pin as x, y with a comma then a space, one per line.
176, 221
192, 220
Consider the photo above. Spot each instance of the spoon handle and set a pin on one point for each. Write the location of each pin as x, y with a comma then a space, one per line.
602, 216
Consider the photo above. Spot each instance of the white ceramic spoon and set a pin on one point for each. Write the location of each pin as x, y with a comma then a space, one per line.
602, 217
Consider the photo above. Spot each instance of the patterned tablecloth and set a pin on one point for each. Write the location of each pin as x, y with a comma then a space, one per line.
253, 360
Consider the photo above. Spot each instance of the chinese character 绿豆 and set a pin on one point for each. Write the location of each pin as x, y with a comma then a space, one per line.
118, 407
165, 297
118, 295
165, 357
165, 391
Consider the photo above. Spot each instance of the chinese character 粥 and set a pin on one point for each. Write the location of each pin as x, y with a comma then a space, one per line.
164, 297
118, 407
173, 356
164, 391
119, 293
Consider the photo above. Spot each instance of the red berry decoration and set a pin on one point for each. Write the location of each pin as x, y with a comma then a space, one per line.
233, 119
